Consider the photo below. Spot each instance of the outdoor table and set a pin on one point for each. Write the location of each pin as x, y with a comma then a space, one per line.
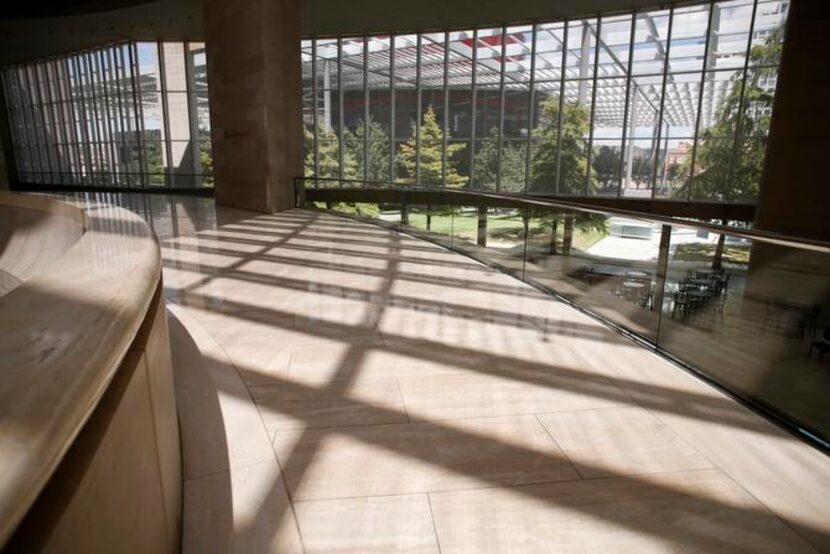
709, 271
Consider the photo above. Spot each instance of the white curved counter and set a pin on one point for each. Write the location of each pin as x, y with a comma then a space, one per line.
87, 299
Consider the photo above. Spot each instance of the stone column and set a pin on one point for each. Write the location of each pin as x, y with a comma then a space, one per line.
4, 171
794, 196
255, 87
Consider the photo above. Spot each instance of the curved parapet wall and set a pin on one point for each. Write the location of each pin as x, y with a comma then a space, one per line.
34, 231
84, 339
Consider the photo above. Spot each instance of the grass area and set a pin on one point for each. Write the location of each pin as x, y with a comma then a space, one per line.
503, 229
697, 252
465, 225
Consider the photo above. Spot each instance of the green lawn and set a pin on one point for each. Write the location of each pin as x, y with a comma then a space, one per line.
697, 252
504, 229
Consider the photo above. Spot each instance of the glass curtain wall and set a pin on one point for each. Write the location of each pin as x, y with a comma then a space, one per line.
132, 115
668, 104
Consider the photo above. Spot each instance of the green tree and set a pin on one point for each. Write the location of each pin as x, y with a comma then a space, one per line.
572, 160
606, 165
486, 165
432, 141
642, 169
721, 172
328, 146
206, 159
377, 156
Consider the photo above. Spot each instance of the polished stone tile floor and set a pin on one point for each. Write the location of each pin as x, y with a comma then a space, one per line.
345, 388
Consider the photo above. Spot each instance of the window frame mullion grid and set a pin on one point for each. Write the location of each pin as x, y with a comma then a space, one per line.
418, 110
446, 125
39, 146
165, 108
96, 136
314, 123
590, 153
473, 101
530, 107
365, 108
83, 124
47, 110
565, 26
627, 107
341, 139
69, 119
392, 175
138, 106
657, 148
123, 112
700, 91
60, 119
499, 139
739, 122
112, 165
192, 117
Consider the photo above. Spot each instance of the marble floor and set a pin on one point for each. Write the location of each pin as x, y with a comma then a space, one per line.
345, 388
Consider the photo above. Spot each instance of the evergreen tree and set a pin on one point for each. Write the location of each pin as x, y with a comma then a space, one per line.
572, 161
485, 165
432, 140
377, 163
329, 155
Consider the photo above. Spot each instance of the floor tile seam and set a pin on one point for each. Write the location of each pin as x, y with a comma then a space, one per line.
764, 506
250, 398
434, 523
332, 429
677, 434
728, 474
294, 382
563, 453
450, 489
360, 497
417, 422
229, 470
403, 400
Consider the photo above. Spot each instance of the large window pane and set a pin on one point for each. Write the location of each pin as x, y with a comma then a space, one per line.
121, 116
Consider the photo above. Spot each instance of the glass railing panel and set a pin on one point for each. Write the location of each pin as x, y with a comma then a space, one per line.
465, 230
391, 214
431, 221
504, 239
746, 313
605, 264
364, 210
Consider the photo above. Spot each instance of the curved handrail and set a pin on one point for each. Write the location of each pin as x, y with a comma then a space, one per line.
65, 331
530, 200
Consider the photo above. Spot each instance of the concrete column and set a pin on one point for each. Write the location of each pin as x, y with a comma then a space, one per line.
794, 196
255, 88
4, 170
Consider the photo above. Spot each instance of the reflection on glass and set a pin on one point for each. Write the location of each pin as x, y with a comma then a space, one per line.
128, 115
748, 314
659, 89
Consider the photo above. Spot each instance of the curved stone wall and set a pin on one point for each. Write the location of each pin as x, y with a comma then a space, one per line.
89, 445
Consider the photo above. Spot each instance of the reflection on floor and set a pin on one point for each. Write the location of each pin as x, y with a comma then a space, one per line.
346, 388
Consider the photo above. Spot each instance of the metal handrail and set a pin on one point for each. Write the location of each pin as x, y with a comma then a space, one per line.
752, 234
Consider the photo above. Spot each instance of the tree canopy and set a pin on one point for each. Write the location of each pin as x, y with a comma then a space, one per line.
572, 159
431, 158
730, 152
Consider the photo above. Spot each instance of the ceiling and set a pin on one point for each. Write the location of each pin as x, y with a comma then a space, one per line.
40, 28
